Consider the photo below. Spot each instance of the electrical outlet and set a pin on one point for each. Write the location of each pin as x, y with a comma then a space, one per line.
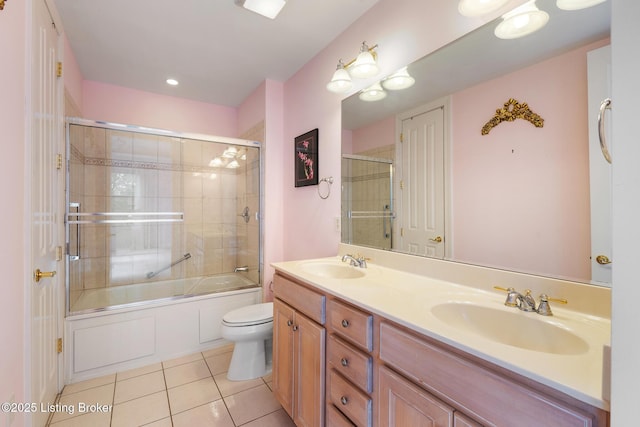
337, 222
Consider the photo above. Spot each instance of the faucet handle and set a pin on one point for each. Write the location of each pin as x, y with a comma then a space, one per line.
544, 308
512, 296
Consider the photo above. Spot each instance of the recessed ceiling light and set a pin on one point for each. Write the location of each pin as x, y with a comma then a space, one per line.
268, 8
172, 82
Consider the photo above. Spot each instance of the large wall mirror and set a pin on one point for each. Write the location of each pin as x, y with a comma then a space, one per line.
420, 177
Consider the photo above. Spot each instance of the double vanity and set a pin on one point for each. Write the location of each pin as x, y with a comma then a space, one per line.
403, 341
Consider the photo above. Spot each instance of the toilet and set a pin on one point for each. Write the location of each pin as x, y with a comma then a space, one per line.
251, 330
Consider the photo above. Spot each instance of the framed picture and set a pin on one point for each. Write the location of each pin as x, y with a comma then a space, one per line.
306, 159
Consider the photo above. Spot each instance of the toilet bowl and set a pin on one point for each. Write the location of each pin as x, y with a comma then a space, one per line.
251, 330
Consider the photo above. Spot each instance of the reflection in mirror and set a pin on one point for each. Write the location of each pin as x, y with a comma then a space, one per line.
517, 198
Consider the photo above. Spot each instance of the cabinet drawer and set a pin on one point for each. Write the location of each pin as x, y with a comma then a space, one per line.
303, 299
473, 386
353, 364
352, 324
460, 420
352, 402
336, 419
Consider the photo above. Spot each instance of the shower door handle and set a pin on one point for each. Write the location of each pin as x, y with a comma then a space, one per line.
606, 104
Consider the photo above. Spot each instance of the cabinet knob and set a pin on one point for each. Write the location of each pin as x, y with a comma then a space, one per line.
344, 361
295, 327
289, 322
344, 400
345, 323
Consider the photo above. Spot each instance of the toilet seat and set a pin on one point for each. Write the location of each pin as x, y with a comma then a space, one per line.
255, 314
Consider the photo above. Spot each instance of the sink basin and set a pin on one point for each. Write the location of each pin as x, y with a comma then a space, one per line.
517, 329
331, 270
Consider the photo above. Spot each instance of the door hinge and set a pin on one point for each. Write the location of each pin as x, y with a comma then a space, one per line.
59, 69
58, 161
402, 184
59, 253
402, 232
401, 137
59, 345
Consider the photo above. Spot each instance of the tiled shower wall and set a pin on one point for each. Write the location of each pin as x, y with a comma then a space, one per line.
367, 188
120, 171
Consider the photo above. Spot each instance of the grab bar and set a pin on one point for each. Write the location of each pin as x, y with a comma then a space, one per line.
155, 273
606, 104
130, 217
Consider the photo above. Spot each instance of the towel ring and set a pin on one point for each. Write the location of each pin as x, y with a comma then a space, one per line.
329, 181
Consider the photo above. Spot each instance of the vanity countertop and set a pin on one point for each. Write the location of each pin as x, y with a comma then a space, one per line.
408, 299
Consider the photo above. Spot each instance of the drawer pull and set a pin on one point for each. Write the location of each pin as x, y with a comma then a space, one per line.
289, 322
295, 327
344, 362
344, 400
345, 323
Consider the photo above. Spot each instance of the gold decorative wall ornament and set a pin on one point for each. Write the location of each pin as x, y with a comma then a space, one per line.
513, 110
2, 4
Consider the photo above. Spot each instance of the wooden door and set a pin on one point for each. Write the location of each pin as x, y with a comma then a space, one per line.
422, 197
283, 317
309, 339
404, 404
46, 207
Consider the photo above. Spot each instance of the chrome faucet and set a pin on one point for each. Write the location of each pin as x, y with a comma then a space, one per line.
239, 269
360, 261
527, 303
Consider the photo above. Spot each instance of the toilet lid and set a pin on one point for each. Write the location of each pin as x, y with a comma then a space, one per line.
251, 314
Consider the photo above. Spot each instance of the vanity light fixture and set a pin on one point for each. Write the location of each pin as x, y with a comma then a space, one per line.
521, 21
268, 8
363, 67
577, 4
373, 93
172, 82
399, 80
479, 7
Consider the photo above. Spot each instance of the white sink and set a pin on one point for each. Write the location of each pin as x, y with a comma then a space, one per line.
332, 270
528, 331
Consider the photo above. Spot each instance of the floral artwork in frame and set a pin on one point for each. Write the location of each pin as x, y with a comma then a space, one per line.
306, 159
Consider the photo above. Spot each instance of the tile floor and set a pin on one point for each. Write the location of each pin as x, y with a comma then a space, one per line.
189, 391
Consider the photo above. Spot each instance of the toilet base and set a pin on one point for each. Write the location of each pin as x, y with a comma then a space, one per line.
250, 360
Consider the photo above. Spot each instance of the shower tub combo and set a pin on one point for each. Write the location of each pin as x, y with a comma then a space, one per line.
163, 238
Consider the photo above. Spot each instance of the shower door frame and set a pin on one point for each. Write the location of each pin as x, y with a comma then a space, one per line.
69, 121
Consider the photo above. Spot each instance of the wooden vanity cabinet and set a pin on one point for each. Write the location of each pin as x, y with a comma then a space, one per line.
299, 351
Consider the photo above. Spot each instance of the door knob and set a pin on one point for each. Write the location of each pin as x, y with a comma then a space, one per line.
37, 275
603, 260
437, 239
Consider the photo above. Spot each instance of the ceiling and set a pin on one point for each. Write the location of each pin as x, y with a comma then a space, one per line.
219, 52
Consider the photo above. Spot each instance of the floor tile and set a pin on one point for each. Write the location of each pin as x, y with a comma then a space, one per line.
193, 394
182, 360
139, 386
143, 410
251, 404
85, 385
102, 395
218, 350
139, 371
227, 388
183, 374
274, 419
94, 419
165, 422
212, 414
219, 363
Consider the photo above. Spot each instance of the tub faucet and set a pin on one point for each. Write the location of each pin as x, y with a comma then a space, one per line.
360, 261
239, 269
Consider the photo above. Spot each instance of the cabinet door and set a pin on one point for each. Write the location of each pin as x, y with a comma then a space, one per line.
309, 354
404, 404
283, 317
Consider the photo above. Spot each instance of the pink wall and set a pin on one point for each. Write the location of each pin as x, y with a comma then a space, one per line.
13, 335
378, 134
538, 177
129, 106
405, 30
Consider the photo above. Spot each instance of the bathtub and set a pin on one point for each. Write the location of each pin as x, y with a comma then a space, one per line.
126, 327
